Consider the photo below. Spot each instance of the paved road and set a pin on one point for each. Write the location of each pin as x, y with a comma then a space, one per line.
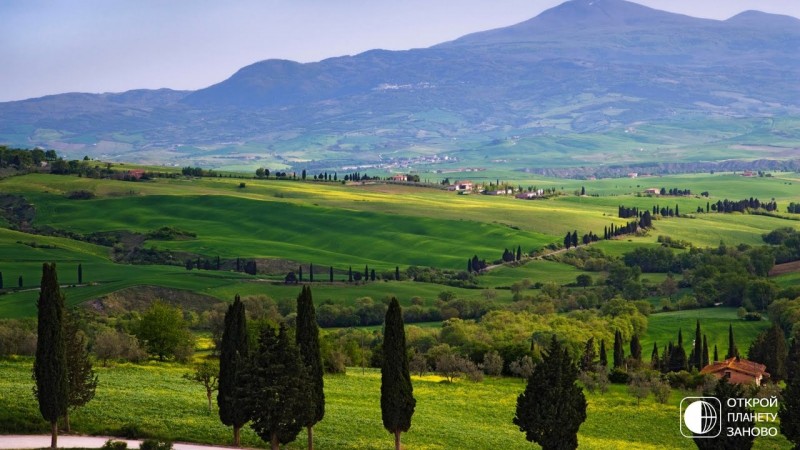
33, 441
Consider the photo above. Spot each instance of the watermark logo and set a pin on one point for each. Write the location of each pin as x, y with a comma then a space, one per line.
701, 417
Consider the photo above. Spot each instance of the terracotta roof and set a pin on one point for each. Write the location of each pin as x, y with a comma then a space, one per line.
744, 366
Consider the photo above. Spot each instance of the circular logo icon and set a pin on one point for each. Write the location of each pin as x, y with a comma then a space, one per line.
700, 417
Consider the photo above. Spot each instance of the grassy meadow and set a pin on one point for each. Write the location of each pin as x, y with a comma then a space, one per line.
458, 415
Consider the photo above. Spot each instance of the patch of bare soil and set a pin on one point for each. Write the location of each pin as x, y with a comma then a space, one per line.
783, 269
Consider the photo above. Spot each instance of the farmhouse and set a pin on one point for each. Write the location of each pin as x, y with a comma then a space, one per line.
400, 177
655, 191
530, 195
737, 370
463, 185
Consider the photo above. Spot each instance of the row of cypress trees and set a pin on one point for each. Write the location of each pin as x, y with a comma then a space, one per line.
279, 388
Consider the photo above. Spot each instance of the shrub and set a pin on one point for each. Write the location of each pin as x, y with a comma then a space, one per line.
114, 445
152, 444
752, 317
619, 376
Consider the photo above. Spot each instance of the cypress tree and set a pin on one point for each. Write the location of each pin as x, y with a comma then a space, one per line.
276, 385
552, 408
603, 356
677, 355
50, 365
19, 282
397, 271
793, 359
519, 252
716, 353
372, 275
698, 348
311, 272
589, 355
769, 348
331, 274
789, 408
232, 364
636, 348
397, 394
350, 274
80, 280
307, 337
723, 392
705, 352
1, 280
619, 350
300, 273
366, 273
732, 350
81, 378
655, 364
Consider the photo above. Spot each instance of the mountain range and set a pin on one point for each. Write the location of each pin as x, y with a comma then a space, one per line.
584, 68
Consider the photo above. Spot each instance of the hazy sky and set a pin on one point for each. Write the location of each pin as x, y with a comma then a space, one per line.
56, 46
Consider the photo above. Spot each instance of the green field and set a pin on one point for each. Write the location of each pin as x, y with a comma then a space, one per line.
459, 415
662, 328
379, 225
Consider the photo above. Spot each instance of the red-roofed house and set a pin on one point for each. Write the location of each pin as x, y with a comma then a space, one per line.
737, 371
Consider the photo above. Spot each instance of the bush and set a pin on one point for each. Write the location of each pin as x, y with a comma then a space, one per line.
619, 376
152, 444
752, 317
130, 431
114, 445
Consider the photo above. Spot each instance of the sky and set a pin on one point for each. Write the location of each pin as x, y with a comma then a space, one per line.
56, 46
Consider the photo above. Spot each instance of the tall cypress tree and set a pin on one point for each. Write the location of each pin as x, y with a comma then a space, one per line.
311, 272
1, 280
603, 356
300, 273
276, 385
397, 394
789, 409
80, 278
769, 348
636, 348
396, 271
81, 378
724, 441
619, 350
232, 364
698, 348
793, 359
50, 365
350, 274
732, 350
716, 353
655, 364
552, 408
330, 274
705, 352
307, 337
589, 355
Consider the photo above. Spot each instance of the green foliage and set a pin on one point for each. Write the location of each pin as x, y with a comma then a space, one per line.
81, 377
114, 445
789, 411
276, 386
164, 332
552, 408
50, 366
723, 392
770, 349
153, 444
233, 358
397, 394
307, 337
207, 374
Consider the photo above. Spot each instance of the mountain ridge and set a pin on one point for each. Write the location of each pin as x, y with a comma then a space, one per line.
585, 66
